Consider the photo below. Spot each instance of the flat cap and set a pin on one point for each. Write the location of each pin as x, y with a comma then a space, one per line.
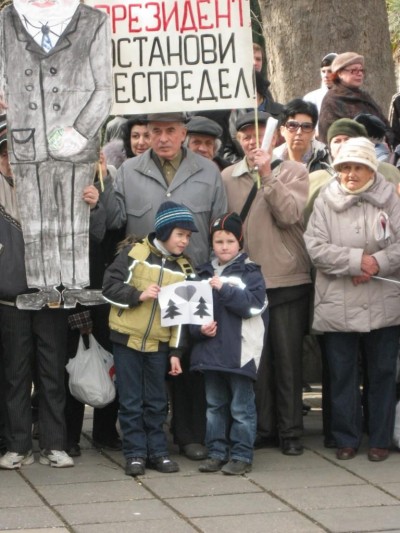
204, 126
167, 117
250, 118
344, 60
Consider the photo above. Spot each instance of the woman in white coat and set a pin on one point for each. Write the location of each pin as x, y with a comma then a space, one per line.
353, 238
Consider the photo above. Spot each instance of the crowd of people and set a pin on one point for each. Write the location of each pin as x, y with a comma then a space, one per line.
301, 237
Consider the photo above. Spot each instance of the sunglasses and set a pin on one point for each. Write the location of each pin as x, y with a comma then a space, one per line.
354, 71
293, 125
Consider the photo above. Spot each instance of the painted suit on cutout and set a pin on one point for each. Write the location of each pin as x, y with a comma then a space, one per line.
69, 86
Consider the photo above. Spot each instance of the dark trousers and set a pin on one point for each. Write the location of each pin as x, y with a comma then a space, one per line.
279, 385
26, 335
188, 405
140, 378
342, 349
2, 400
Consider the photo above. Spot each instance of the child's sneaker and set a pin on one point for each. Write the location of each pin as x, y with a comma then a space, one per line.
163, 464
211, 465
236, 468
55, 458
12, 460
135, 466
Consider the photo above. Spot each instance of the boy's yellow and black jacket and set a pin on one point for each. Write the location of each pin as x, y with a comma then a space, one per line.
134, 323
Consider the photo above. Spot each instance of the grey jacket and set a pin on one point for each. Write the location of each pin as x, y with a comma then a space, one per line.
141, 188
342, 227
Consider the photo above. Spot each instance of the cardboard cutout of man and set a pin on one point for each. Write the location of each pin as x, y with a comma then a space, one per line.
56, 82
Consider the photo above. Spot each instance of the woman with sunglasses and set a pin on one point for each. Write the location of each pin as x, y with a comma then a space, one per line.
346, 99
297, 122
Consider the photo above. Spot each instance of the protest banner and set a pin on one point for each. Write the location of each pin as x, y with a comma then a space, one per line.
180, 55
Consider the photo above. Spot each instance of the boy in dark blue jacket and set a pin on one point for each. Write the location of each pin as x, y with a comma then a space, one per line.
228, 349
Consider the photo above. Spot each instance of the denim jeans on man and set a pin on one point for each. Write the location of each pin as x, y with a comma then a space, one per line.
342, 351
231, 416
140, 379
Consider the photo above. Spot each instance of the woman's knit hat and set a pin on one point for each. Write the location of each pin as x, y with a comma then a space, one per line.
346, 126
357, 150
344, 60
229, 222
170, 216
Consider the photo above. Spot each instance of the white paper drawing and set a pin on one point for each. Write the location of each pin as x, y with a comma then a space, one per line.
186, 302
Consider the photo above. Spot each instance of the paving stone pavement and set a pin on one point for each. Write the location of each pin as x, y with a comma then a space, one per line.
310, 493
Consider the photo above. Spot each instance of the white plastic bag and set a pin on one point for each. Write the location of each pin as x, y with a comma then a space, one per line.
396, 432
91, 374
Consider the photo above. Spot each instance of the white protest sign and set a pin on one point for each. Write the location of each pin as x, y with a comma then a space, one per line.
187, 302
180, 55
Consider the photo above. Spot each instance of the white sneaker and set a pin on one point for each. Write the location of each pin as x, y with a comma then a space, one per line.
12, 460
55, 458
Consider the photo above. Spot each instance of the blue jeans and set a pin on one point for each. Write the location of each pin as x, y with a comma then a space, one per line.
342, 352
140, 379
231, 416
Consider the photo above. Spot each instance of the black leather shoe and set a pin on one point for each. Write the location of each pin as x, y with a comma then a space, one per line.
195, 452
292, 446
74, 451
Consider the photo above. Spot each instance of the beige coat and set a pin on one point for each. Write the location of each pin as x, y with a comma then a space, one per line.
273, 230
342, 227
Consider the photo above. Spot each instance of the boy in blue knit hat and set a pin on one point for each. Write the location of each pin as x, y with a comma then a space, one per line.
141, 346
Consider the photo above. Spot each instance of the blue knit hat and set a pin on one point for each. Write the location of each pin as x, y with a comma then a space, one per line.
170, 216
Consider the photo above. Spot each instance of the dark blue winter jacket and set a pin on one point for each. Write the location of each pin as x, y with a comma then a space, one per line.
238, 306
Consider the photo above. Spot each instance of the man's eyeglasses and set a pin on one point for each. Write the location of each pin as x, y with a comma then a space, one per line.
293, 125
354, 71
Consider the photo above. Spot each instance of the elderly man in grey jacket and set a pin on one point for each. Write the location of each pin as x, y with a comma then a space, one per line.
168, 171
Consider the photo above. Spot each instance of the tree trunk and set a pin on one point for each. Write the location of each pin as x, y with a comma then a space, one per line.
299, 33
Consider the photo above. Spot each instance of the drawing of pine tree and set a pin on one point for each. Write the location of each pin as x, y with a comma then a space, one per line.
172, 310
202, 308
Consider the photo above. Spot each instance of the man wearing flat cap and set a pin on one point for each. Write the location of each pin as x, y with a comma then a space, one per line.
204, 138
346, 98
270, 196
169, 171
